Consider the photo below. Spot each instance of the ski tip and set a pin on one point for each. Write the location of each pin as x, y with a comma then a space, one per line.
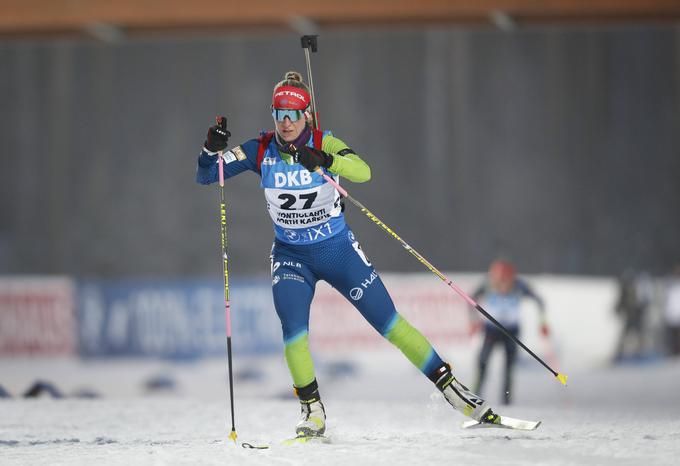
254, 447
469, 424
562, 378
232, 436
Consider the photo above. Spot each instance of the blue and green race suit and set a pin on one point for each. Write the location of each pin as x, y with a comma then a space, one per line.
312, 242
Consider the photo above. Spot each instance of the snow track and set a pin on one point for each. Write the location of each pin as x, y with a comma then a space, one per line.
618, 416
181, 431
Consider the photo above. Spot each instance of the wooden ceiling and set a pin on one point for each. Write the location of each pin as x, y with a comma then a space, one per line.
134, 17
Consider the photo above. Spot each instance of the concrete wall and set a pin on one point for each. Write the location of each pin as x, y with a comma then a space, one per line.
557, 147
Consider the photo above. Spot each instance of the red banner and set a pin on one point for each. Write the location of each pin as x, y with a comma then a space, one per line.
37, 316
427, 303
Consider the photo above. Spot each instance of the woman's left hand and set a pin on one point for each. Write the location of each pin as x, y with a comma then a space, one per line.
311, 158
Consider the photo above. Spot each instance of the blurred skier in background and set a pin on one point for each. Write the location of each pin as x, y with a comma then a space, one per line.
501, 294
312, 242
635, 296
672, 313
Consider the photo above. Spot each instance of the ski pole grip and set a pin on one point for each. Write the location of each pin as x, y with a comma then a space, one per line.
309, 41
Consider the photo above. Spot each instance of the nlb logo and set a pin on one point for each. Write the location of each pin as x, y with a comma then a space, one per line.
292, 264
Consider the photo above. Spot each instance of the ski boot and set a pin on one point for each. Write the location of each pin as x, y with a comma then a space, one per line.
312, 414
461, 398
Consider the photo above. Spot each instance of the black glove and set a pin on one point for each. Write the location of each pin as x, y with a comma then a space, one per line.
311, 158
218, 135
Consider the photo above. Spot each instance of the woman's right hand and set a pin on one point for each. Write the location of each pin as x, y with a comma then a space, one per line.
218, 135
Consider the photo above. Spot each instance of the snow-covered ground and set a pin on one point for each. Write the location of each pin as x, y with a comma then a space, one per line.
380, 411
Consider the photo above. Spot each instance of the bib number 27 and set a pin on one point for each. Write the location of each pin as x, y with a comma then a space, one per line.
289, 200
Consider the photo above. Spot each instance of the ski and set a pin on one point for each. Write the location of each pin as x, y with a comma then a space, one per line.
502, 422
300, 439
307, 439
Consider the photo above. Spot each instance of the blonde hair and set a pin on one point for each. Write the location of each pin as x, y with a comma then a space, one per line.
293, 78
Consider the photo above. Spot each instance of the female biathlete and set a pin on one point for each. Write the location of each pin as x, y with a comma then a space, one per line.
312, 242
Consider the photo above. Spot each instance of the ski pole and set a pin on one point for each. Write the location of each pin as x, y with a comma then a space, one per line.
561, 377
223, 241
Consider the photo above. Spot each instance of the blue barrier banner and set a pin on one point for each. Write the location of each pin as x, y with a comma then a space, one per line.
175, 319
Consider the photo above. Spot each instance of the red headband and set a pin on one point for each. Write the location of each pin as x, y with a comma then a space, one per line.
290, 97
